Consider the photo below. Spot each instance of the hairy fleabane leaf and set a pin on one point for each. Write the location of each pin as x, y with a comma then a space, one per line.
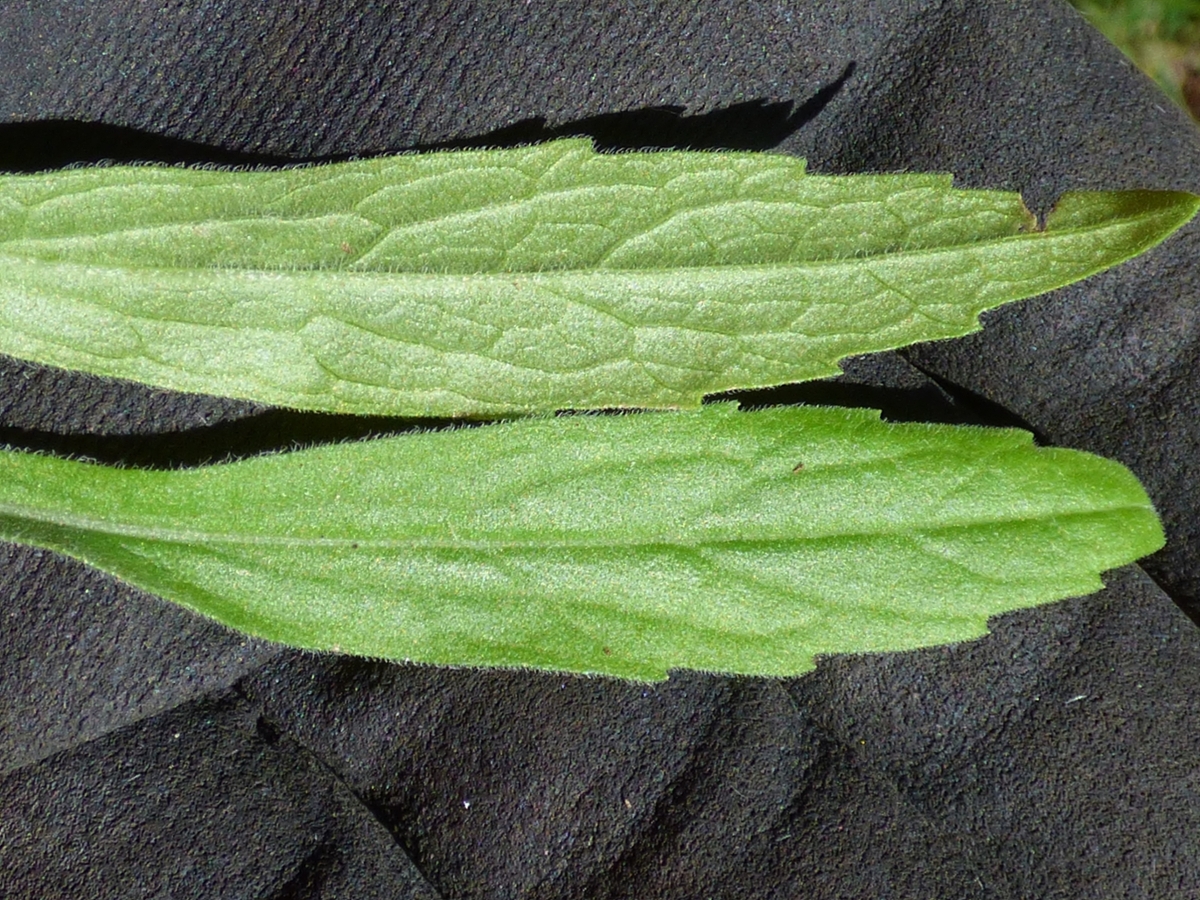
624, 545
512, 281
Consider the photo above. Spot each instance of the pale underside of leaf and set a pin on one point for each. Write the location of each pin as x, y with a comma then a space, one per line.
622, 545
482, 283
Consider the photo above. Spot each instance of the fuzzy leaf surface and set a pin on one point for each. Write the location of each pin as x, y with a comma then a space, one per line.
625, 545
482, 283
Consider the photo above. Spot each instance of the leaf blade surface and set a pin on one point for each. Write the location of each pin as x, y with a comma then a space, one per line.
482, 283
623, 545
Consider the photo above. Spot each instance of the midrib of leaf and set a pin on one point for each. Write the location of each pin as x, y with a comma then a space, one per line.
186, 537
600, 269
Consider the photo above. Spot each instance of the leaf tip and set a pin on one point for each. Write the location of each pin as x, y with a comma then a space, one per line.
1164, 211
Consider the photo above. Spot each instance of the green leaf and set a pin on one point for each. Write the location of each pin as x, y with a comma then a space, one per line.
509, 281
624, 545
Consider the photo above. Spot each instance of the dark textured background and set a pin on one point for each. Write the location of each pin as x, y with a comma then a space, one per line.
148, 753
